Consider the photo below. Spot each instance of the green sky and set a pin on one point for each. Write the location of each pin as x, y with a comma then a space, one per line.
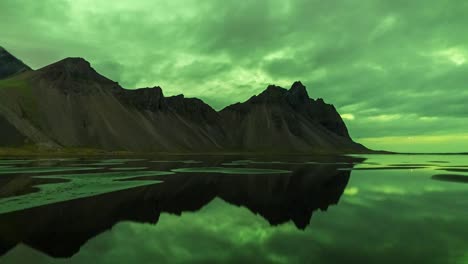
396, 70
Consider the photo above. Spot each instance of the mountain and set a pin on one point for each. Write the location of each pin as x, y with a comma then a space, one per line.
281, 119
9, 65
68, 104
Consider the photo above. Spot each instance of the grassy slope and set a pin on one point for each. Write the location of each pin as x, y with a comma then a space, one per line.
22, 86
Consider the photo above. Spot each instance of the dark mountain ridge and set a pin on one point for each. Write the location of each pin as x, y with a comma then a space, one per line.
9, 65
287, 118
69, 104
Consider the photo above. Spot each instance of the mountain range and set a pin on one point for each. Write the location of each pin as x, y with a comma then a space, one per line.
69, 105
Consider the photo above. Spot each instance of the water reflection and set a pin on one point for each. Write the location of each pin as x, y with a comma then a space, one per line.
451, 178
290, 190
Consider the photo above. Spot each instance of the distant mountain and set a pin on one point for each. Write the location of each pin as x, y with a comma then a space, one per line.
69, 104
9, 65
280, 119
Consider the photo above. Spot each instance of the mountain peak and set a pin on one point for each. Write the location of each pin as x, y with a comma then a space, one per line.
76, 60
274, 88
298, 95
273, 91
74, 64
73, 69
69, 65
271, 94
298, 87
10, 65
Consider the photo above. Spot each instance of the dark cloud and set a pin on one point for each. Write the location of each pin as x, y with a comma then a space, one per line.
369, 58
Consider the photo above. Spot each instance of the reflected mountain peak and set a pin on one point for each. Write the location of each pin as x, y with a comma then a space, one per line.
60, 229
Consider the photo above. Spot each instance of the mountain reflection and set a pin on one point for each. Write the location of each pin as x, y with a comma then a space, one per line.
60, 229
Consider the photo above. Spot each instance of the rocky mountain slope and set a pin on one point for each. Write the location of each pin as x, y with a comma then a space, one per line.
280, 119
9, 65
69, 104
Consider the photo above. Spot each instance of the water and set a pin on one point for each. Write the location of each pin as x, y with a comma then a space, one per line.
254, 209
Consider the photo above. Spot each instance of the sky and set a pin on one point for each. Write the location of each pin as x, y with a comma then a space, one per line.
397, 71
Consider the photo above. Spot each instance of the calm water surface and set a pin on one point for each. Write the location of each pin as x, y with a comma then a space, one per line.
229, 209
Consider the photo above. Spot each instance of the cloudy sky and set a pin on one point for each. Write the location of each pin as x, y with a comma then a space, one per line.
396, 70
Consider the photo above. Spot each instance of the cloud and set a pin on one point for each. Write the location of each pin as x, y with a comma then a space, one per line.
399, 59
348, 116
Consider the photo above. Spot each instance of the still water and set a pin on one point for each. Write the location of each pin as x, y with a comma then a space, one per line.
232, 209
